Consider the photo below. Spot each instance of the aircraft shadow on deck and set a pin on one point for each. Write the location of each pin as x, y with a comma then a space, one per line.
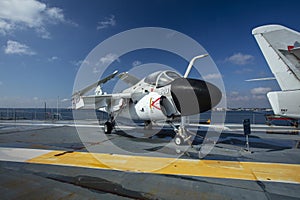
160, 137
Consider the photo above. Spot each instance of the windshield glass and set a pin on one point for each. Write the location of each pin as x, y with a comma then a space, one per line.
161, 78
151, 79
166, 77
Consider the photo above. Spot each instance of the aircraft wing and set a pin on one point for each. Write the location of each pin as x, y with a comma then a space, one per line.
128, 78
296, 52
281, 49
90, 87
111, 102
99, 101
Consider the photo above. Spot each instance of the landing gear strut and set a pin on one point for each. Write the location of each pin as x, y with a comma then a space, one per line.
178, 140
148, 125
108, 126
181, 134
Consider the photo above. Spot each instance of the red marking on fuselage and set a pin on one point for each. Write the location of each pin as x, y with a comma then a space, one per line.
152, 104
290, 48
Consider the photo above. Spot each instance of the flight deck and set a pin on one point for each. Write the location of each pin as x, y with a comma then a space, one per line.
51, 160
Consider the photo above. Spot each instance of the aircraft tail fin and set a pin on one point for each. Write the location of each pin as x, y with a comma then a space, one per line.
281, 49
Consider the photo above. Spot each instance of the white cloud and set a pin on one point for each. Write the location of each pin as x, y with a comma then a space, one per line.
258, 97
248, 99
243, 71
239, 98
53, 58
1, 83
260, 90
96, 70
105, 60
55, 15
235, 96
212, 76
107, 22
5, 27
234, 93
240, 59
32, 14
136, 63
14, 47
79, 62
65, 100
42, 32
108, 58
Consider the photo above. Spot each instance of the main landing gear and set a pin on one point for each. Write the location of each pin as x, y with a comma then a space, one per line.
148, 125
108, 127
178, 140
181, 134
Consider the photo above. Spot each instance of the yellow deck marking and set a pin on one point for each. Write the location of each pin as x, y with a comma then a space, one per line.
204, 168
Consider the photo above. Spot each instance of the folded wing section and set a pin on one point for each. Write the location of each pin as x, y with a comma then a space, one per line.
281, 48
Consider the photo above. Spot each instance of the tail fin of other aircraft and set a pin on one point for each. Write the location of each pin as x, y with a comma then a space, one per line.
281, 49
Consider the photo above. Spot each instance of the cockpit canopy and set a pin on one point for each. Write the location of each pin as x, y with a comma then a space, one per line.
161, 78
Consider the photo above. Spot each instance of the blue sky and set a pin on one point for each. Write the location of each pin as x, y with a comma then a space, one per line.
43, 42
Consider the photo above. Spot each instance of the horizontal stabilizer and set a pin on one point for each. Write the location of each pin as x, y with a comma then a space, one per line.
285, 103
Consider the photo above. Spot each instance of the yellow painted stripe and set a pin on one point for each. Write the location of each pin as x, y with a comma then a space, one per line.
203, 168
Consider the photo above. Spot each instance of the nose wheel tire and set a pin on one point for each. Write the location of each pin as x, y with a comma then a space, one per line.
178, 140
108, 127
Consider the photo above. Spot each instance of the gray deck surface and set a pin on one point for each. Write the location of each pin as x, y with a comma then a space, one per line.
40, 181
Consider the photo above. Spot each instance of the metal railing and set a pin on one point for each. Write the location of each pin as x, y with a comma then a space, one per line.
49, 114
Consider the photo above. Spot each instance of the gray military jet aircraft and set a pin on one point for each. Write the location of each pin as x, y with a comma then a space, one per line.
161, 96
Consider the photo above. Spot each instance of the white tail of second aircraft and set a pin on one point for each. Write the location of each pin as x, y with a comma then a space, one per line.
281, 49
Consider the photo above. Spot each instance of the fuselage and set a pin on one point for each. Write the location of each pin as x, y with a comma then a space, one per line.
165, 95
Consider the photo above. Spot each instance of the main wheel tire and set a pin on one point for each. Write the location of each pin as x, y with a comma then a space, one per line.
178, 140
108, 128
148, 125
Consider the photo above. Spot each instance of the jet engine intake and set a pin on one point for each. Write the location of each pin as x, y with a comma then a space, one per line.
155, 107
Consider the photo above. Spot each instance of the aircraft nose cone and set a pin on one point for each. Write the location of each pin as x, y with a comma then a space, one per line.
192, 96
